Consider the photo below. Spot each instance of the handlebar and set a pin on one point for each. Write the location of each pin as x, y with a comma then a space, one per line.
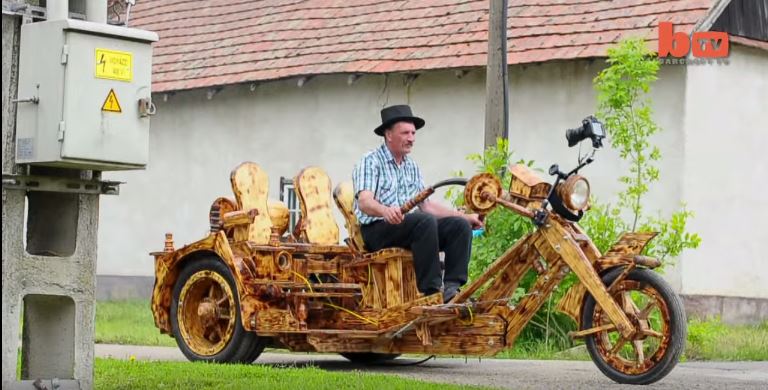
509, 205
420, 197
427, 192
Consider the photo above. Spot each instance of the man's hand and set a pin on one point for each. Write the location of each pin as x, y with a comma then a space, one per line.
474, 220
392, 215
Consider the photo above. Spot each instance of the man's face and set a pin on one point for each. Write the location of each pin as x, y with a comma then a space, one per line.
400, 138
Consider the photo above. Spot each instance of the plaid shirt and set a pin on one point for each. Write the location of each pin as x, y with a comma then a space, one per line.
391, 185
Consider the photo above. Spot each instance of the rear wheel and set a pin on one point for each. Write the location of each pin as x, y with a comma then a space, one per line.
205, 315
654, 309
369, 357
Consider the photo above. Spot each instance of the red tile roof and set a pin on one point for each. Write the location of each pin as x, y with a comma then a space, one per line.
209, 43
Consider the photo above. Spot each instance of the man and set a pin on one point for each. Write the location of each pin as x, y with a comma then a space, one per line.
384, 179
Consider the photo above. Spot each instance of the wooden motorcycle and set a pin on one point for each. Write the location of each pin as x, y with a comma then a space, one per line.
247, 285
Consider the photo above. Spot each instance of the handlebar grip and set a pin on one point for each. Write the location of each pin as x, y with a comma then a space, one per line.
420, 197
509, 205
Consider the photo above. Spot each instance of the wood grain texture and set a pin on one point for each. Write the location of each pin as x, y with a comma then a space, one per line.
474, 198
250, 185
561, 241
168, 266
506, 281
570, 304
313, 189
527, 184
393, 282
344, 196
279, 215
538, 293
416, 200
219, 207
512, 254
624, 250
319, 296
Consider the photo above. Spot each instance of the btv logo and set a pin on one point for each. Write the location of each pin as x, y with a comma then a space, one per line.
708, 44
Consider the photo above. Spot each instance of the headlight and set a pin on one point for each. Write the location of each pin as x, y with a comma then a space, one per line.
575, 193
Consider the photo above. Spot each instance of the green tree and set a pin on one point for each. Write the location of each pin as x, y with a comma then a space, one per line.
625, 108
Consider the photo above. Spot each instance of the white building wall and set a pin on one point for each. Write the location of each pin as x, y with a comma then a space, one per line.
726, 148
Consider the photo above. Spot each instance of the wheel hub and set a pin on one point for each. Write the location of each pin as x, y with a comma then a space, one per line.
208, 312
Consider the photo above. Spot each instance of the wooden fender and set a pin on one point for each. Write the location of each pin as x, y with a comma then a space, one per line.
168, 266
623, 252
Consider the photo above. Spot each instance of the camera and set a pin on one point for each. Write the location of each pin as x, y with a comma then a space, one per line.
590, 128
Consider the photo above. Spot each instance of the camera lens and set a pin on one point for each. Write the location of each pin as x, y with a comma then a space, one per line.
574, 136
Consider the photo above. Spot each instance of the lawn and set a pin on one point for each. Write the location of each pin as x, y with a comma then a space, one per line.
122, 374
130, 322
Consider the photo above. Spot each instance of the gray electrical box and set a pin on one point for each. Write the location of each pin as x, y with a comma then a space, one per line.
84, 97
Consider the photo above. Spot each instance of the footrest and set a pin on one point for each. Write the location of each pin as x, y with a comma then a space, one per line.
447, 309
327, 295
457, 309
354, 287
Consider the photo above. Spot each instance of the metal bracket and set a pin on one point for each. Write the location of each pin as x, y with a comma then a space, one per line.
540, 217
60, 184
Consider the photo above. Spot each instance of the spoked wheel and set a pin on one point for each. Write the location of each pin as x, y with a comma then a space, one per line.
205, 315
654, 309
369, 357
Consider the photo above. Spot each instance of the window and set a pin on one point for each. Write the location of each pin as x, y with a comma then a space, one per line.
288, 196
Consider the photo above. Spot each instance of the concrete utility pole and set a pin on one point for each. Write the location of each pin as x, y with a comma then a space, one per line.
49, 251
51, 281
496, 99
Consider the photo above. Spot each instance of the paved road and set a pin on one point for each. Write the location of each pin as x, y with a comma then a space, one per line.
499, 373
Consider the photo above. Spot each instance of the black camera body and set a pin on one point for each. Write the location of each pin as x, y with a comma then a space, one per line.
590, 128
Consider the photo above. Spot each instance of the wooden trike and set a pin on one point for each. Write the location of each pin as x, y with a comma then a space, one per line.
247, 286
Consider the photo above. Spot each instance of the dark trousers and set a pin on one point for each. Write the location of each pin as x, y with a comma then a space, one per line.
425, 236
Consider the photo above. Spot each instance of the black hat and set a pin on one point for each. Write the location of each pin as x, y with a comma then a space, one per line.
393, 114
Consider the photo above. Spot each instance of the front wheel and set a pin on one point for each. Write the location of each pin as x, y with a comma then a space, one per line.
205, 315
658, 314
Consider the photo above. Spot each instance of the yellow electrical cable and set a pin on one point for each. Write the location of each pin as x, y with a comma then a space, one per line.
368, 320
305, 280
471, 317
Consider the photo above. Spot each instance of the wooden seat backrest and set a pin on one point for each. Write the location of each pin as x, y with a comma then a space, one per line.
313, 189
251, 186
344, 195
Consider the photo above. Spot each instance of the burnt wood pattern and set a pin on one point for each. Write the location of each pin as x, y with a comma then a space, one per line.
313, 190
315, 295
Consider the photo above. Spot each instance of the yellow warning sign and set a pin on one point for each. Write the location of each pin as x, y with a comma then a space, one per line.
111, 104
114, 65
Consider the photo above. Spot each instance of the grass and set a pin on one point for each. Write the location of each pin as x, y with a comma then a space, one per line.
121, 374
130, 322
713, 340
